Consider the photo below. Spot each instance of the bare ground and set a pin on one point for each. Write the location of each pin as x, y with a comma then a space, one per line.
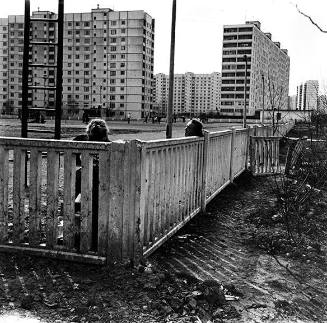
187, 280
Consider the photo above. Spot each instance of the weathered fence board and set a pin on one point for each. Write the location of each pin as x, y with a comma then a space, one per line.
146, 190
35, 197
4, 171
69, 222
264, 155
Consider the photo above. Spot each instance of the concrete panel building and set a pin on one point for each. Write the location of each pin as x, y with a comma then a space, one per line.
108, 61
307, 95
193, 93
268, 69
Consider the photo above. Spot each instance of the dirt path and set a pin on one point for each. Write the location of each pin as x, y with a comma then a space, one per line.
273, 289
210, 248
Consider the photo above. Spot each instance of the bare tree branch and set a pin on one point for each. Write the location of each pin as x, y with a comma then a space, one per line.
313, 22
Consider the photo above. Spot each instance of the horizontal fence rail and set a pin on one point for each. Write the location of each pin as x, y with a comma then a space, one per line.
104, 202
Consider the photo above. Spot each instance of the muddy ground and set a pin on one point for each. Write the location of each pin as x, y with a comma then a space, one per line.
209, 272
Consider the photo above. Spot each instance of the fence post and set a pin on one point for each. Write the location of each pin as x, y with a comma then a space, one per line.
136, 246
251, 148
204, 170
231, 155
247, 147
116, 193
143, 188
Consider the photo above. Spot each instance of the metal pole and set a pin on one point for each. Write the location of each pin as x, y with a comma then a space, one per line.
245, 85
169, 126
59, 69
263, 99
24, 113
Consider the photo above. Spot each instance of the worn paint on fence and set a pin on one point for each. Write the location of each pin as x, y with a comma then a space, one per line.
147, 189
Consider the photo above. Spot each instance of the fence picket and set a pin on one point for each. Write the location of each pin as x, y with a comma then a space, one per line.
4, 175
18, 196
69, 226
35, 197
52, 198
86, 202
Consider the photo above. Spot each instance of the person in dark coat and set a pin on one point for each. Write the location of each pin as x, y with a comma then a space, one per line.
98, 131
194, 128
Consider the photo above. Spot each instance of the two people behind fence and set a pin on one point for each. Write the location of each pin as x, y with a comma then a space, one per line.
96, 130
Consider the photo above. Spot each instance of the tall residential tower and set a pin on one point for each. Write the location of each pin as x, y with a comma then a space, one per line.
108, 61
268, 69
307, 95
193, 93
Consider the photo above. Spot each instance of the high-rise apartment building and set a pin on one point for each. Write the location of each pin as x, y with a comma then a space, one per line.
292, 102
307, 95
107, 64
193, 93
267, 71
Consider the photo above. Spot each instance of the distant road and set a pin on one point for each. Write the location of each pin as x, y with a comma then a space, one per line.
120, 129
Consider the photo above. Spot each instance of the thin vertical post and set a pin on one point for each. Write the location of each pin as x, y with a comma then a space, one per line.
169, 129
24, 113
231, 164
245, 85
204, 170
59, 69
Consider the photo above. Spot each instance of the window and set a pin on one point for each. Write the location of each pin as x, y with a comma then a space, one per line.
113, 23
113, 48
123, 47
112, 89
113, 32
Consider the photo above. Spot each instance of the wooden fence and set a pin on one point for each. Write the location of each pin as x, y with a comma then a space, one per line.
147, 190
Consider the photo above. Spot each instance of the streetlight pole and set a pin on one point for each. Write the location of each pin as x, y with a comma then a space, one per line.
169, 129
245, 86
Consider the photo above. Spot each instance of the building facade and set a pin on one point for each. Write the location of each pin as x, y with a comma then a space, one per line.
292, 102
307, 95
267, 66
107, 65
193, 93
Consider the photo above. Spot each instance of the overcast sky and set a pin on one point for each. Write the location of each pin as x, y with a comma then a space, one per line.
199, 30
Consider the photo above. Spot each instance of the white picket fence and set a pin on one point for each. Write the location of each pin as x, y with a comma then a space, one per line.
147, 191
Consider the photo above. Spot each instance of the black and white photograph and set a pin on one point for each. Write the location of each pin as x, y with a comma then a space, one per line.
163, 161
